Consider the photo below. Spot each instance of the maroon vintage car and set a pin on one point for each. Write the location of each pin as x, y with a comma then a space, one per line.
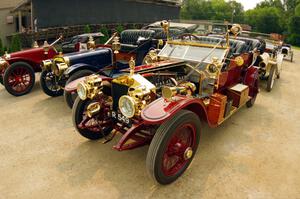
17, 70
162, 103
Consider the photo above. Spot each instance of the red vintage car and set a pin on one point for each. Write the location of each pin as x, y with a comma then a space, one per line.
17, 70
190, 80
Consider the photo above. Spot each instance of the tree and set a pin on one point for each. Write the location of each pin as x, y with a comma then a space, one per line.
264, 19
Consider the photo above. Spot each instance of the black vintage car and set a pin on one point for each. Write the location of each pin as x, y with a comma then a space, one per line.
105, 60
79, 42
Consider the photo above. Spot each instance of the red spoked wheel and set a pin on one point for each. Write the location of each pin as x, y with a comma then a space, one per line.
173, 147
19, 79
93, 128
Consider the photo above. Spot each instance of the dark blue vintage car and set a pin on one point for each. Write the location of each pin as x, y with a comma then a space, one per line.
107, 59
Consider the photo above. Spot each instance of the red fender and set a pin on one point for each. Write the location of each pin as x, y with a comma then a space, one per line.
160, 110
72, 86
251, 80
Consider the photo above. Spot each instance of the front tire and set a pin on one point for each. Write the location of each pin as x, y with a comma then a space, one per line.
19, 79
78, 115
271, 78
70, 97
49, 84
176, 139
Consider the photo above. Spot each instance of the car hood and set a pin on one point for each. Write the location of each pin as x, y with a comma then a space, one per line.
27, 52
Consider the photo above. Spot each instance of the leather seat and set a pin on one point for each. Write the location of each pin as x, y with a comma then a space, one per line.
236, 47
160, 34
129, 38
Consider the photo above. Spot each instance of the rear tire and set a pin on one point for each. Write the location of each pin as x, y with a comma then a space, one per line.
178, 138
71, 97
19, 79
271, 78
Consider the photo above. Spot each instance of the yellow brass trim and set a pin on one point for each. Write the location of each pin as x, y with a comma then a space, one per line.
239, 61
46, 64
188, 43
93, 109
67, 60
131, 64
116, 45
35, 44
188, 154
91, 45
3, 64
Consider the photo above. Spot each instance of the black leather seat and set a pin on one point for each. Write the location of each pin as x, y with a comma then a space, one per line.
130, 38
236, 47
160, 34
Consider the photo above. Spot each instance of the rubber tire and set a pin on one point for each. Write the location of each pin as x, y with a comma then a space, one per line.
67, 95
1, 79
251, 102
269, 81
12, 68
160, 140
46, 89
77, 113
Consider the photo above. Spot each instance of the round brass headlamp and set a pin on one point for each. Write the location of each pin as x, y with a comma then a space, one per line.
169, 92
46, 64
82, 91
127, 106
59, 68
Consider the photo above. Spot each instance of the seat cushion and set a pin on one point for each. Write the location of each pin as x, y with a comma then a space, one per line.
132, 36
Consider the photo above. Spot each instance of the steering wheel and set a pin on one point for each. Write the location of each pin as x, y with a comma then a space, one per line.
190, 35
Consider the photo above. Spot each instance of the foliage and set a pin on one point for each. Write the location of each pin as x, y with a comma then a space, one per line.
104, 31
212, 10
269, 16
119, 28
87, 29
264, 19
16, 43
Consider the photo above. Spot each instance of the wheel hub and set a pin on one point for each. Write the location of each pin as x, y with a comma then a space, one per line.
188, 153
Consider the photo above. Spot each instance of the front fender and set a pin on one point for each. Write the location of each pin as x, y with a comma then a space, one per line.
81, 66
251, 80
160, 110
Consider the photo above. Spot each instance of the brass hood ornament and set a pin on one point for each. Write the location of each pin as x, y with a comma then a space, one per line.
131, 64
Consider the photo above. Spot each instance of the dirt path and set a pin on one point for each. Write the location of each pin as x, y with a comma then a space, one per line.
255, 154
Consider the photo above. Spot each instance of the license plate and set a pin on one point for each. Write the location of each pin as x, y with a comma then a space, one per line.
120, 118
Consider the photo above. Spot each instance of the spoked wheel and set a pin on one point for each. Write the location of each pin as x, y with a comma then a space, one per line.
70, 97
93, 128
49, 84
271, 79
173, 147
19, 79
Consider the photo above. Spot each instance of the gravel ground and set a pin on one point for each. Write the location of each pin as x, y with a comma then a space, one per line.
254, 154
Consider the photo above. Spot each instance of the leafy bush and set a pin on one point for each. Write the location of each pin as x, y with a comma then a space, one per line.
104, 31
294, 39
16, 43
87, 29
119, 28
